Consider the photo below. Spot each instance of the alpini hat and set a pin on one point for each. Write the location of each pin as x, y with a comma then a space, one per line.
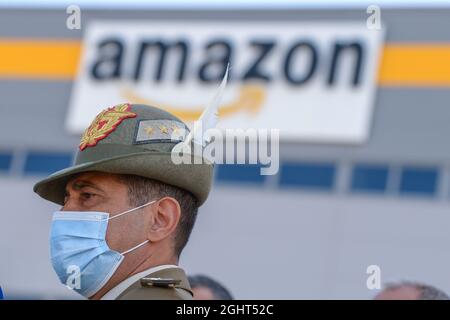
132, 139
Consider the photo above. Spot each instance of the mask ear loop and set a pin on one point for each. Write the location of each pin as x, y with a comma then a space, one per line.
139, 245
128, 211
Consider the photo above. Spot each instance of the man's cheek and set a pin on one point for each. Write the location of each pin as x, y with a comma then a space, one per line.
118, 235
111, 237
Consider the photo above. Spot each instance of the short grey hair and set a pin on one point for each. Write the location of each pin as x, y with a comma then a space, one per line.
426, 291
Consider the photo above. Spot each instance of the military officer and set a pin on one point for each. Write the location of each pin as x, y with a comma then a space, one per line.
127, 209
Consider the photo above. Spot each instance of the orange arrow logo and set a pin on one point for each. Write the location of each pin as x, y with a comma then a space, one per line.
251, 98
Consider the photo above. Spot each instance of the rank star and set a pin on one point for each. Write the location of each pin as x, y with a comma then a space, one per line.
164, 129
175, 129
149, 130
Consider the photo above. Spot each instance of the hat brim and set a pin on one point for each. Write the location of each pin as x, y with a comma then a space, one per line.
195, 178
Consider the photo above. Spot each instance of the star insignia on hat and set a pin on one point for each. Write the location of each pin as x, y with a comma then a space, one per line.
175, 129
149, 130
164, 129
106, 122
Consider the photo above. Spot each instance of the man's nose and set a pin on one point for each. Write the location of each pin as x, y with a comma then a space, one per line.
70, 205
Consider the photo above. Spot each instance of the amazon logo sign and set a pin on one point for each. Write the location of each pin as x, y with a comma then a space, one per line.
312, 81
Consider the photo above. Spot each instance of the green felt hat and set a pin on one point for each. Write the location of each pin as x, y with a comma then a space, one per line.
132, 139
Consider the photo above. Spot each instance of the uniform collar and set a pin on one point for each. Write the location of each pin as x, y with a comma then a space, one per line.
125, 284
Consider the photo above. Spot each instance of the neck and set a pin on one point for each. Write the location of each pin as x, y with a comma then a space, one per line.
134, 264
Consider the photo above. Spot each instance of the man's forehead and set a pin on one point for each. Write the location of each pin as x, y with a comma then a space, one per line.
92, 178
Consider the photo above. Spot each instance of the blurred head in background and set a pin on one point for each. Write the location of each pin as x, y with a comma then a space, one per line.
205, 288
406, 290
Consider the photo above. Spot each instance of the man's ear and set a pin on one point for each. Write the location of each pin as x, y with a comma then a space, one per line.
165, 217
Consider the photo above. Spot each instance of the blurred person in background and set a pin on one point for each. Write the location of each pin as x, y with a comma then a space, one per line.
407, 290
205, 288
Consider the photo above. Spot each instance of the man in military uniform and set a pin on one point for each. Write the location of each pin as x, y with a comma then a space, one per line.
127, 209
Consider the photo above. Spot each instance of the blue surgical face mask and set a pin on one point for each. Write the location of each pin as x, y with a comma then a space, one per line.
79, 252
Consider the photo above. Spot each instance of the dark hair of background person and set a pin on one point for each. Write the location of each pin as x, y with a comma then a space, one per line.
218, 290
427, 292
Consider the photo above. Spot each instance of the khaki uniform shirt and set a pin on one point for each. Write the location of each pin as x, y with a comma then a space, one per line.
167, 282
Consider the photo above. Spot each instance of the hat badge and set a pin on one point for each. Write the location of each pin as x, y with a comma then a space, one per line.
105, 123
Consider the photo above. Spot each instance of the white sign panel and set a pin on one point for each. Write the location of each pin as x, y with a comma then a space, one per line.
313, 81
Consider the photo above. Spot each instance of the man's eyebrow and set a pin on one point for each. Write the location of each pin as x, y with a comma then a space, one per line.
80, 184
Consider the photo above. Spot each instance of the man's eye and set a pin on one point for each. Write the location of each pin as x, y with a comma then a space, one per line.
87, 196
